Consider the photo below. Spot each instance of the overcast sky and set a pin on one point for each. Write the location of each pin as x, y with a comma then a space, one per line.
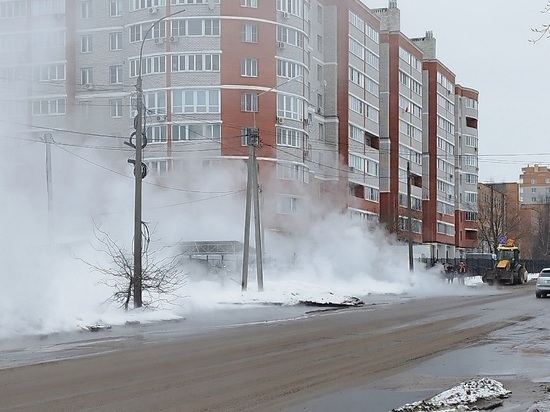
486, 44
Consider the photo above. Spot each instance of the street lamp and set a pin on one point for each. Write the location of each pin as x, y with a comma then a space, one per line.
139, 171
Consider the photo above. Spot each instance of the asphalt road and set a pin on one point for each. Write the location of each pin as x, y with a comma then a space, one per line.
274, 366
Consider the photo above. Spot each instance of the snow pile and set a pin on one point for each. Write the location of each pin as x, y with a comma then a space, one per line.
462, 397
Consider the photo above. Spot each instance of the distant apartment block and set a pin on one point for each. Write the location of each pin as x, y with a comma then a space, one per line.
534, 185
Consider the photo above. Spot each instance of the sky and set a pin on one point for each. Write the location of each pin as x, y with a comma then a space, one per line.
486, 45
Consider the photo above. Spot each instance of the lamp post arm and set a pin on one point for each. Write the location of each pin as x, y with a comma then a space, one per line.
147, 34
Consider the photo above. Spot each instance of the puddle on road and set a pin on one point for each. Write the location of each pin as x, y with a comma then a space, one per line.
508, 353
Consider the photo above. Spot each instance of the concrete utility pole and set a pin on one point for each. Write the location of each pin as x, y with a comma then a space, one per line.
253, 196
252, 201
140, 171
49, 188
246, 246
409, 219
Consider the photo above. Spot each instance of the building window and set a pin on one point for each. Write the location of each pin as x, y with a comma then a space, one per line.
355, 76
249, 3
155, 102
157, 134
86, 9
140, 32
471, 103
115, 8
86, 43
47, 7
49, 72
115, 108
290, 36
86, 75
321, 132
471, 216
290, 107
182, 132
371, 193
371, 167
144, 4
319, 43
150, 65
356, 163
288, 69
249, 67
356, 48
249, 102
196, 27
471, 197
196, 101
193, 1
249, 33
294, 7
13, 9
115, 41
471, 178
195, 62
287, 205
289, 137
115, 74
470, 160
292, 171
48, 107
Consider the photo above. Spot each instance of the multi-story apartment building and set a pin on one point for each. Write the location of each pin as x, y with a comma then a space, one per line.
439, 146
353, 63
431, 127
466, 168
401, 130
342, 100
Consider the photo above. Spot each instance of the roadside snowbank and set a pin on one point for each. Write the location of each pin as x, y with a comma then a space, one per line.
463, 397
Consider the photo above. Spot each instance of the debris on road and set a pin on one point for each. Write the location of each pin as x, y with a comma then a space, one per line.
96, 327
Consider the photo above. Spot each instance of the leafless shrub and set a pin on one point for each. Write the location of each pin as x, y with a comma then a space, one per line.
544, 30
160, 277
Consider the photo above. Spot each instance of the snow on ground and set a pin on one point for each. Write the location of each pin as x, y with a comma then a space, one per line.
462, 397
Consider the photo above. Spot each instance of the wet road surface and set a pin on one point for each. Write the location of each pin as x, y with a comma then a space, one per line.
371, 359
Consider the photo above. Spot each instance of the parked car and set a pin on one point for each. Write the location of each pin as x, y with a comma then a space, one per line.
542, 288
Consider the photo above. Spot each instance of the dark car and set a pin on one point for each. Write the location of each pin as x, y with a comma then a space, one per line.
542, 288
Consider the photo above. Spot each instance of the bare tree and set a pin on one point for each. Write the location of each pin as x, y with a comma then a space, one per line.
161, 276
544, 30
497, 217
541, 241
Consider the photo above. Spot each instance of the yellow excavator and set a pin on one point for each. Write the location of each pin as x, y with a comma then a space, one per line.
507, 269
